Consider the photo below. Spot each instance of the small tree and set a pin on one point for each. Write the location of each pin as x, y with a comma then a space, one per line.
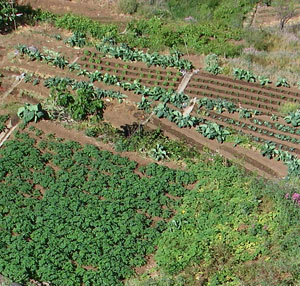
7, 14
285, 9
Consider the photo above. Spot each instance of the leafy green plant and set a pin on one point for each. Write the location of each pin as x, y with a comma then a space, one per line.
244, 75
212, 64
158, 153
91, 132
282, 82
268, 150
264, 80
7, 14
31, 112
293, 118
212, 130
87, 195
3, 119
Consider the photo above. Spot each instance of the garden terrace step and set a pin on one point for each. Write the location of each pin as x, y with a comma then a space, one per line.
252, 160
263, 108
281, 91
261, 136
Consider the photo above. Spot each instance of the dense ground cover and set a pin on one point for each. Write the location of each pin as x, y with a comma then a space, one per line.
158, 33
231, 230
73, 214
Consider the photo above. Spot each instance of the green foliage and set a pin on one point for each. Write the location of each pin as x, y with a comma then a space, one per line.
222, 12
78, 39
232, 230
212, 130
220, 105
206, 38
128, 6
88, 210
212, 64
244, 75
3, 119
156, 34
246, 113
282, 82
7, 14
31, 112
264, 80
85, 25
126, 53
91, 132
158, 153
293, 118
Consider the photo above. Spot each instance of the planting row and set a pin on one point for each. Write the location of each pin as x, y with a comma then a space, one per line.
241, 76
122, 51
125, 73
272, 92
63, 207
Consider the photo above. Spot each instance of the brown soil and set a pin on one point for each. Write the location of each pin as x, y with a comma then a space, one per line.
104, 11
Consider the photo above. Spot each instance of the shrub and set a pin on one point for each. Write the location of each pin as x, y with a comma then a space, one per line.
128, 6
7, 14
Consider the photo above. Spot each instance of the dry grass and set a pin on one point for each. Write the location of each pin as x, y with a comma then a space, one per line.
282, 59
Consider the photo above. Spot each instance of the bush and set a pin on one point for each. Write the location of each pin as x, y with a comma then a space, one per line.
128, 6
7, 14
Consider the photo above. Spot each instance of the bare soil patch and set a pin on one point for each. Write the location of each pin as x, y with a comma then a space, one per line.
104, 11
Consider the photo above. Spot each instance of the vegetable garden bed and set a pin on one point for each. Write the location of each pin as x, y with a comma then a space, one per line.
74, 201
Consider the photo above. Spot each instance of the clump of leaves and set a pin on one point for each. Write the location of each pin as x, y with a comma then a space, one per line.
282, 82
293, 118
91, 132
78, 39
263, 80
158, 153
212, 64
212, 130
30, 112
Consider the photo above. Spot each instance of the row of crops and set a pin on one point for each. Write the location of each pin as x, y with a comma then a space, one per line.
63, 208
129, 72
168, 103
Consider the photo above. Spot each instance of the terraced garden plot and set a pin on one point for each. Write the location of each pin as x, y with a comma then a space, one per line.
117, 75
265, 99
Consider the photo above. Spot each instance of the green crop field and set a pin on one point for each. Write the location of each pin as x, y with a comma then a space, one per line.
149, 143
